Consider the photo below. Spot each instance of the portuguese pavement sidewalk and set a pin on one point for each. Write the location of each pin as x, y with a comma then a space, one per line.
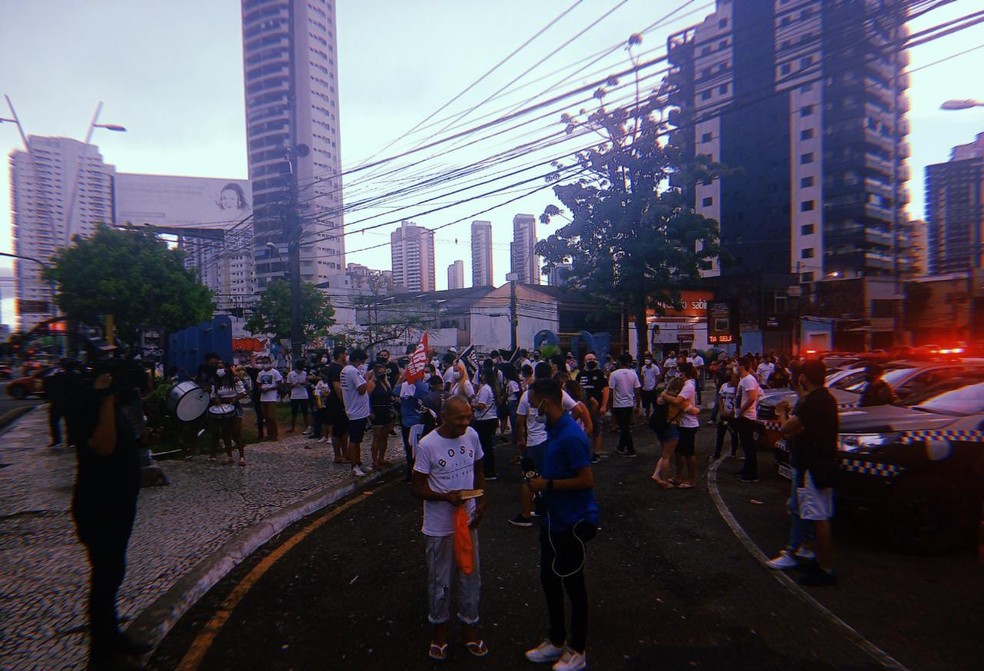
187, 535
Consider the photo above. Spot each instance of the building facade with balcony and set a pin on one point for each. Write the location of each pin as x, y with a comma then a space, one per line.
525, 264
955, 210
805, 104
293, 141
412, 253
481, 249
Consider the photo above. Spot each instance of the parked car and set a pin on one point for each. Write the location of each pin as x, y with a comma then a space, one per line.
6, 371
919, 469
29, 385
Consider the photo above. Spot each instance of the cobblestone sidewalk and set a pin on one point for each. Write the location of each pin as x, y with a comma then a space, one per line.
43, 568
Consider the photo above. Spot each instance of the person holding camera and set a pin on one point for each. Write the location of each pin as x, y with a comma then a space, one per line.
566, 483
104, 500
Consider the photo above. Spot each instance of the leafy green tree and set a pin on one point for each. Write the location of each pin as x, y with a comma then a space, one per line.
633, 239
272, 312
132, 275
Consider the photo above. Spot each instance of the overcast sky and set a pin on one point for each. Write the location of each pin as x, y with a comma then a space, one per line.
171, 72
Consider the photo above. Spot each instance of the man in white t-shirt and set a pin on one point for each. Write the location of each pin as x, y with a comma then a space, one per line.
297, 380
746, 398
531, 438
765, 370
448, 463
698, 362
356, 388
650, 378
269, 380
625, 386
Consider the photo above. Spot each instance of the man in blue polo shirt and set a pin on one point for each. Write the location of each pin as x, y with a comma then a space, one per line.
567, 484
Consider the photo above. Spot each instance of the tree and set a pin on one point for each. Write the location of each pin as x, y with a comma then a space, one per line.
634, 239
132, 275
272, 313
384, 321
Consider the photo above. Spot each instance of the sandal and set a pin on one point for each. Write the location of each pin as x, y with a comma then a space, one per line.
438, 652
477, 648
664, 484
685, 485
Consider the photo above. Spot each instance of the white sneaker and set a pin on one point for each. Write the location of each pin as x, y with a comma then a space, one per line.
571, 661
358, 472
784, 561
545, 652
806, 554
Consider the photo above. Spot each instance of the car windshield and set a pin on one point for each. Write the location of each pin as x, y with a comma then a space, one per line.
965, 401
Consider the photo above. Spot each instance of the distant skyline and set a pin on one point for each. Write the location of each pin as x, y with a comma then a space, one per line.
172, 74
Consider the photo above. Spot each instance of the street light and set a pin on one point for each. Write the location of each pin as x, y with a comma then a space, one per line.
93, 125
961, 104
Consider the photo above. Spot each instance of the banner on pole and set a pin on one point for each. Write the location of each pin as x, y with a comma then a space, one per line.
415, 369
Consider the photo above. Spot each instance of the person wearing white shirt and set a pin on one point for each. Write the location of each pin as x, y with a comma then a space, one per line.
764, 370
486, 419
356, 388
649, 373
269, 380
297, 380
625, 386
448, 464
746, 398
698, 362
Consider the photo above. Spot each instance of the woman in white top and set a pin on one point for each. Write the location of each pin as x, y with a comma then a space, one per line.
486, 419
686, 402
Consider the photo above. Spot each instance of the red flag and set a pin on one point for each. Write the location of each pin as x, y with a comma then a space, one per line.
415, 369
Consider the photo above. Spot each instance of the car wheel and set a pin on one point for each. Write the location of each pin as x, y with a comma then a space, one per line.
929, 515
18, 392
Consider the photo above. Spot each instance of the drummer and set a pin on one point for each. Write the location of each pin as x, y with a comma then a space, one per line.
226, 411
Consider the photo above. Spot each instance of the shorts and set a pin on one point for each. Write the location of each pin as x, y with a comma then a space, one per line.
688, 441
382, 418
595, 423
357, 429
814, 504
668, 434
339, 425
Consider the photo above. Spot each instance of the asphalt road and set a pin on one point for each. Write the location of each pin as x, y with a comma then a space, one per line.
671, 587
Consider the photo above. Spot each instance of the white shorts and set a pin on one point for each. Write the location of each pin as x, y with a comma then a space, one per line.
813, 503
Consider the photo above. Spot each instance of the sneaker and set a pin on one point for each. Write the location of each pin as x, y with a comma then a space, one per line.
545, 652
805, 554
632, 454
819, 578
358, 472
535, 513
746, 479
520, 521
782, 562
620, 451
491, 476
571, 661
595, 458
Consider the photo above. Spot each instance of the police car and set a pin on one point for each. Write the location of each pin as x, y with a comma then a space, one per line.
919, 469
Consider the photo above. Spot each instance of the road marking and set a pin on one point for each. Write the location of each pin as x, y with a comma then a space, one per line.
879, 655
203, 642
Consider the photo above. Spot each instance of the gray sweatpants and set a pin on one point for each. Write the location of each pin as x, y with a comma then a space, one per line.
440, 571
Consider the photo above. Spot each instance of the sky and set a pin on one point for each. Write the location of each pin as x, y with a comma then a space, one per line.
171, 72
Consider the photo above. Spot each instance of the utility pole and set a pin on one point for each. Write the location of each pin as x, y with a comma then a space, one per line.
513, 311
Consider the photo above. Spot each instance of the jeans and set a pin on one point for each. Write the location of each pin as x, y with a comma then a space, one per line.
561, 552
486, 433
269, 409
440, 571
746, 428
624, 418
800, 530
723, 427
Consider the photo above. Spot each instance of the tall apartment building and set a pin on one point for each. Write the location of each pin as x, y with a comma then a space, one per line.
525, 263
481, 248
412, 249
955, 210
43, 180
456, 275
806, 98
291, 84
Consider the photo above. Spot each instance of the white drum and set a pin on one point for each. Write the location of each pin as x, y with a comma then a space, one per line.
222, 411
187, 401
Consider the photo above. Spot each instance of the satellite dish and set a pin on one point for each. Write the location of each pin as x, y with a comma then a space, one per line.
303, 151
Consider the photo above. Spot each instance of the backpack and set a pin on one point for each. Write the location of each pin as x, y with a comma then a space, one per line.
501, 393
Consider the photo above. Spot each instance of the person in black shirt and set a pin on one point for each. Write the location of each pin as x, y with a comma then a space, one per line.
594, 384
252, 370
813, 430
876, 391
335, 407
104, 501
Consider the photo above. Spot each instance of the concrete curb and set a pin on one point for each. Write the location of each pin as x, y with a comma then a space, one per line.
153, 623
12, 416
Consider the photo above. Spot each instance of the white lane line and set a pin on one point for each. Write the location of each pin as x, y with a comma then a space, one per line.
879, 655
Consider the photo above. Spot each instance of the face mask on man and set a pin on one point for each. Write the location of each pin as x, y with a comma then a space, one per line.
324, 360
220, 372
268, 366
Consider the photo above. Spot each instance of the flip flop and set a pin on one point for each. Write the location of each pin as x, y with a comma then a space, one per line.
438, 652
685, 485
664, 484
477, 648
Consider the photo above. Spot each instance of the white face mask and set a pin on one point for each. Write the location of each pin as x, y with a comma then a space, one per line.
220, 372
324, 359
268, 366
